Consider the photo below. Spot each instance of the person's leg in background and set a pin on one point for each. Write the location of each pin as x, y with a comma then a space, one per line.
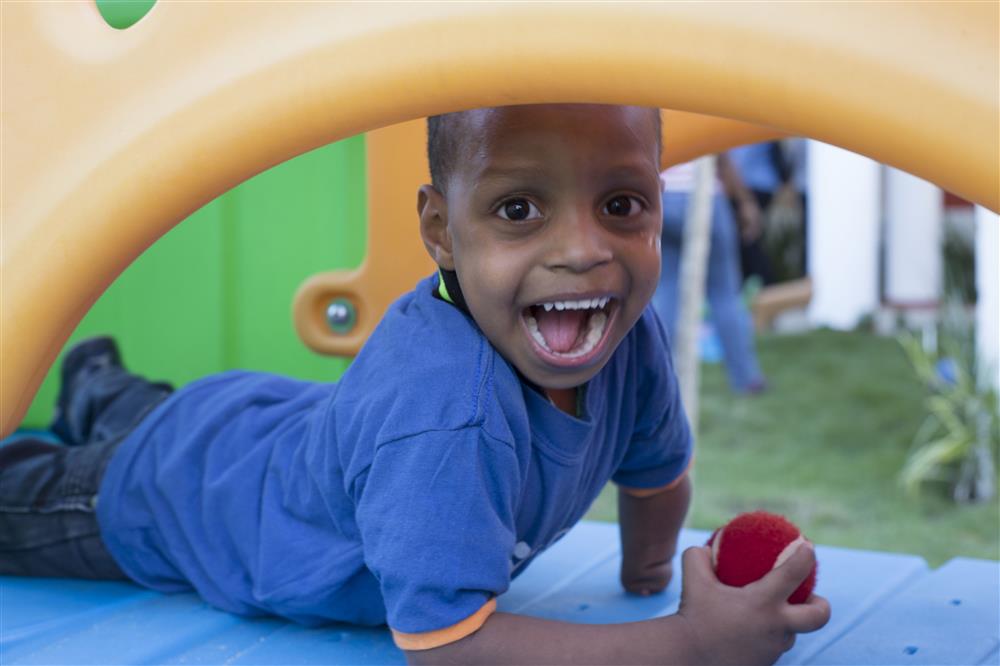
48, 492
804, 259
666, 299
729, 314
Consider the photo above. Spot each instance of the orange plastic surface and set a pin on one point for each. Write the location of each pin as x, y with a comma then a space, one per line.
112, 137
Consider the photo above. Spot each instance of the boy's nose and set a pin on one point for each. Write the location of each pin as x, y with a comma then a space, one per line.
578, 243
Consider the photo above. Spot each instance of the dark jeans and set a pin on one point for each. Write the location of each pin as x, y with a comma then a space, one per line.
48, 492
753, 258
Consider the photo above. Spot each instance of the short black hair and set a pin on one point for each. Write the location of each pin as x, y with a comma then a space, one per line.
444, 139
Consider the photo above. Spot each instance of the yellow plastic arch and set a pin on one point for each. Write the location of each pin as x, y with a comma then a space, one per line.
111, 137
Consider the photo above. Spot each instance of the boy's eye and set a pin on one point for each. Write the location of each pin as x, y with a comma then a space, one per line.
518, 210
623, 206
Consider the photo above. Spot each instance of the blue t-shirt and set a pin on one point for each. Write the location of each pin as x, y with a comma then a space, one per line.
410, 492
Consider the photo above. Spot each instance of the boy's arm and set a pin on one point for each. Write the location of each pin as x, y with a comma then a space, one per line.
519, 639
649, 529
716, 624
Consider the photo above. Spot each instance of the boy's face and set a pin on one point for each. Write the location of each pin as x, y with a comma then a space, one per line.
552, 222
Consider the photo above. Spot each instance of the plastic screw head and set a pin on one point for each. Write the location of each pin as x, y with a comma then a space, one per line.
341, 316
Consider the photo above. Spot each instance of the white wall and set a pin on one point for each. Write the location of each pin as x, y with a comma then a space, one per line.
844, 212
914, 215
987, 288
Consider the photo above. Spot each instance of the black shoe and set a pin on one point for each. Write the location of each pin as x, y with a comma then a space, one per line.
82, 361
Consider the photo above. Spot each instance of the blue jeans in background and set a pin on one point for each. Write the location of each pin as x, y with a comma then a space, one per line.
728, 313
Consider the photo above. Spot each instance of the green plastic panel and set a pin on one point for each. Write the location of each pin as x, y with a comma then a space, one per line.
122, 14
215, 293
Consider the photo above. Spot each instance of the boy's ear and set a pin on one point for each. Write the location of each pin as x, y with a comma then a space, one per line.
433, 211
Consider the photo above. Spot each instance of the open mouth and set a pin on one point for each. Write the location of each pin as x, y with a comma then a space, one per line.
569, 330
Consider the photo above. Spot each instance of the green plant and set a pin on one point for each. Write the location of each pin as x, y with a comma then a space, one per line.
957, 443
958, 255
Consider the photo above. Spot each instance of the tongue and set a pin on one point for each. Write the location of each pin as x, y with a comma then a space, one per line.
560, 328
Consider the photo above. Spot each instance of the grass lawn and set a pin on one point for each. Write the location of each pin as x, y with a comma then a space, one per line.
824, 447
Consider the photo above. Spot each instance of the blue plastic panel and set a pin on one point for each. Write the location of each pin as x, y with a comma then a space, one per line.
947, 616
887, 609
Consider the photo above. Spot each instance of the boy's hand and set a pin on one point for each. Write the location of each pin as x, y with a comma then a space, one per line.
649, 527
647, 574
748, 625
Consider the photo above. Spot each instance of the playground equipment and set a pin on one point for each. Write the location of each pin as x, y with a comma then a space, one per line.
112, 137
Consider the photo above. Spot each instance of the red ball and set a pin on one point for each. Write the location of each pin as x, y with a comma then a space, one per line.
751, 544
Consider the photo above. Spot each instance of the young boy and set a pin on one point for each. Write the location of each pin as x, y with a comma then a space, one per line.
473, 430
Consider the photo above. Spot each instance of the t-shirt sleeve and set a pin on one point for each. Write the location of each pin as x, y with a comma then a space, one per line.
661, 447
436, 516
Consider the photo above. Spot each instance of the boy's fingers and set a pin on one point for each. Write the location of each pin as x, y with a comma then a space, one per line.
808, 616
697, 564
785, 579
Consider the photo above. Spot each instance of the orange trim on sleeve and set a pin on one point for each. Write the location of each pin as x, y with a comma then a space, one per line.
649, 492
431, 639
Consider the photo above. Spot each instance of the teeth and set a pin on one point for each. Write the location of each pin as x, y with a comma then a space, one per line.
586, 304
595, 331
